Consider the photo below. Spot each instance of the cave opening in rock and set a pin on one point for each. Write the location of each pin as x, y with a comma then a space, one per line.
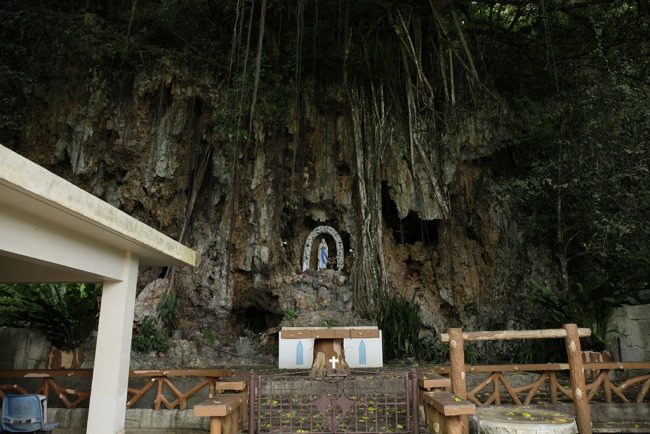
255, 319
410, 229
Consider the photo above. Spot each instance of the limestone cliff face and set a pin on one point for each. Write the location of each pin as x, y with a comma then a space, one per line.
150, 146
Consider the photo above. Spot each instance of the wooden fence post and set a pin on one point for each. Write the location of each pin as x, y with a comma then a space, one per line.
577, 373
458, 376
457, 362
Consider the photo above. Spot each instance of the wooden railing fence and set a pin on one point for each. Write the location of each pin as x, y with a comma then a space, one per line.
161, 382
495, 388
164, 388
571, 334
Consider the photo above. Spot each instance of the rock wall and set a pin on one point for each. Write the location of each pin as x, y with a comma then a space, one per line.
23, 349
140, 146
630, 336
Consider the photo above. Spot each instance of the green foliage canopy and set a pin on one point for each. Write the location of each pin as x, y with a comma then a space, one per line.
67, 313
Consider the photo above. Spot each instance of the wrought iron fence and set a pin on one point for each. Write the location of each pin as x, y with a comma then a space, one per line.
353, 402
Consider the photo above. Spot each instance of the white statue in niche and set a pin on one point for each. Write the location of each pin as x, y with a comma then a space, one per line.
322, 254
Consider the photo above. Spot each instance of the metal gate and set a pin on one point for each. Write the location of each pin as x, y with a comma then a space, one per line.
354, 402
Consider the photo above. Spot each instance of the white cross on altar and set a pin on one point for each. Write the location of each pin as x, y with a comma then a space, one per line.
334, 360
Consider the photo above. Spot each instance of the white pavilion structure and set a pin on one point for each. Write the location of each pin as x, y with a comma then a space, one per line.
53, 231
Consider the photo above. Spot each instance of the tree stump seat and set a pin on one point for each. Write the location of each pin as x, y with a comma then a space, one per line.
512, 420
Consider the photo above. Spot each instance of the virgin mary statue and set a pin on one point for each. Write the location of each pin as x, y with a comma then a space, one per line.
322, 254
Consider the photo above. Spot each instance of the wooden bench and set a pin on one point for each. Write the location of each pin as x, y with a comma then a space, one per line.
222, 410
429, 381
446, 413
232, 383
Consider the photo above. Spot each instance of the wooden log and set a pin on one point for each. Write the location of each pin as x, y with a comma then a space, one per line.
450, 416
607, 387
457, 361
618, 365
235, 383
534, 387
159, 394
458, 380
595, 385
430, 381
139, 393
215, 425
643, 392
500, 335
227, 424
457, 425
518, 368
448, 405
215, 373
220, 405
511, 391
552, 380
36, 373
577, 374
431, 420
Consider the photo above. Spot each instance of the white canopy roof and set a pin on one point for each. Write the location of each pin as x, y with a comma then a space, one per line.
61, 216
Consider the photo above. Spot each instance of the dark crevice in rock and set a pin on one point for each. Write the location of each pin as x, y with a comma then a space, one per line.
410, 229
255, 319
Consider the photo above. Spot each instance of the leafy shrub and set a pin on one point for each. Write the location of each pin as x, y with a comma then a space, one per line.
400, 323
433, 350
149, 337
586, 305
67, 313
539, 351
169, 308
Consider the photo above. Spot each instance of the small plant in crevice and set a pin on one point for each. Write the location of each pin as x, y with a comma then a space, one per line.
210, 338
149, 337
290, 313
329, 323
168, 308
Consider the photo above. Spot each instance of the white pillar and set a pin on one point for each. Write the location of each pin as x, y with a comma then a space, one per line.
112, 354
